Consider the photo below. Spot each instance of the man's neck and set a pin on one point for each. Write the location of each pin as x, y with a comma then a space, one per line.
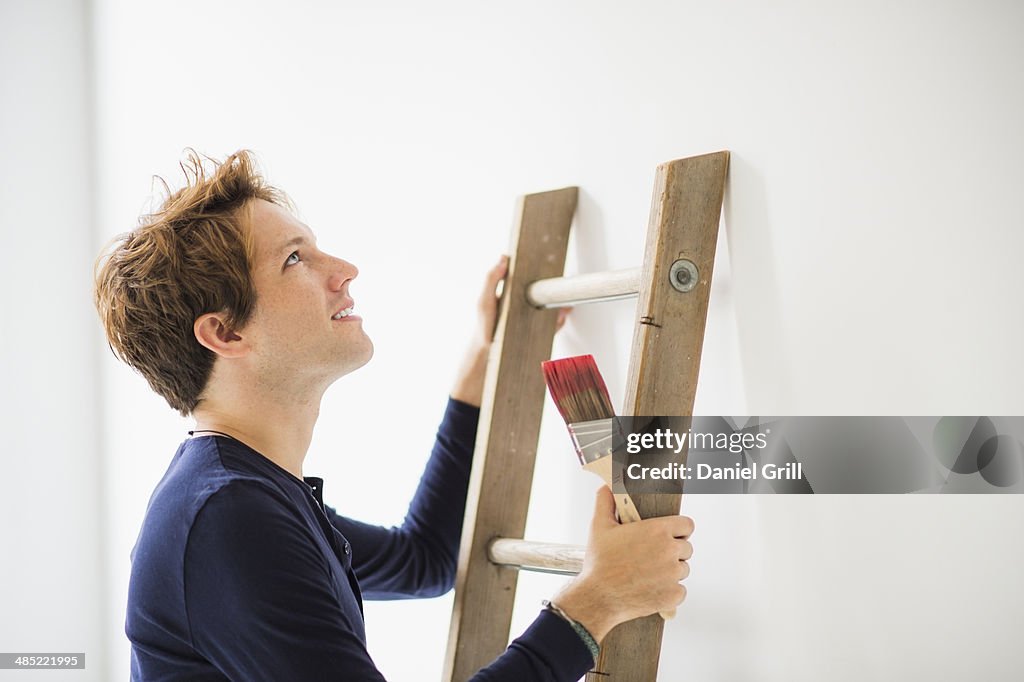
279, 430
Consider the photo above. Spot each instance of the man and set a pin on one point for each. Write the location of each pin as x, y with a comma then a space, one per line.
223, 302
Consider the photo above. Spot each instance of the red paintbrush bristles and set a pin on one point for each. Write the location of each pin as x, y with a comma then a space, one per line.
578, 390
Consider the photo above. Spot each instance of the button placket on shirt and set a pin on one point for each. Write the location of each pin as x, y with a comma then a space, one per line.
346, 547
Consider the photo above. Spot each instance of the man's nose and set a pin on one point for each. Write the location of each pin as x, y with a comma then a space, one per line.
341, 272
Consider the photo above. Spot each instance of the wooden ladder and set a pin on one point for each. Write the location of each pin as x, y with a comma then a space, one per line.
673, 286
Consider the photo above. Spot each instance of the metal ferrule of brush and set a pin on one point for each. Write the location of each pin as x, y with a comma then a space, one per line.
593, 440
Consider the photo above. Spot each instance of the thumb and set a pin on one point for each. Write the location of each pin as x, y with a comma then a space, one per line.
494, 276
604, 510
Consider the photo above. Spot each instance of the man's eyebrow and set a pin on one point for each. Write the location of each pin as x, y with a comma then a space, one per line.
294, 241
297, 240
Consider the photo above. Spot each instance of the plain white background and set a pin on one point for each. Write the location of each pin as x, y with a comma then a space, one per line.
868, 265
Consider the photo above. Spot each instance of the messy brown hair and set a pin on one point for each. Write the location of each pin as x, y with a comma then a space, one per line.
190, 257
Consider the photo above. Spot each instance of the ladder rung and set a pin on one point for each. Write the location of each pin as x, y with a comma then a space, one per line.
593, 287
545, 557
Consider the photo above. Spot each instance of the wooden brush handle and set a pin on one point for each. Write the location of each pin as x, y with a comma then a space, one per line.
623, 502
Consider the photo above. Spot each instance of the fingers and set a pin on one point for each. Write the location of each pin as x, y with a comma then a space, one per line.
563, 315
494, 275
675, 552
678, 526
604, 509
682, 526
680, 550
674, 597
640, 565
488, 303
490, 294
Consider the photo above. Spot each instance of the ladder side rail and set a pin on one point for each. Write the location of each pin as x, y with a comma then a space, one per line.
665, 358
507, 435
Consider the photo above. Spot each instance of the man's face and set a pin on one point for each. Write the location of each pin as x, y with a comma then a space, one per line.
303, 332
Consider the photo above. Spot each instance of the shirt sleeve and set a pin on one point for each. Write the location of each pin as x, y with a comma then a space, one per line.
259, 596
419, 558
548, 651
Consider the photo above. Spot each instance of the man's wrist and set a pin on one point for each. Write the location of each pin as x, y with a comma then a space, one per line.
578, 627
469, 384
581, 605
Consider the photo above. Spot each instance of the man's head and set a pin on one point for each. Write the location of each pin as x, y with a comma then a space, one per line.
198, 281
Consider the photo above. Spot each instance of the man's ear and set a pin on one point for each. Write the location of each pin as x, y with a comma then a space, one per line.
213, 333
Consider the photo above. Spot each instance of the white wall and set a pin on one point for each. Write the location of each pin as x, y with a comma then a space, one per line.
52, 595
866, 267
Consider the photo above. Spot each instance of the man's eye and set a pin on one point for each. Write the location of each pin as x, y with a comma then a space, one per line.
292, 259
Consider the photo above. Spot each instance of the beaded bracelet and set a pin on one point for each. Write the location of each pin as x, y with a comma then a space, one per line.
582, 631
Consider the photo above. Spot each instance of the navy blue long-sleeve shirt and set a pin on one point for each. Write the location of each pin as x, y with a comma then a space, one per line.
240, 571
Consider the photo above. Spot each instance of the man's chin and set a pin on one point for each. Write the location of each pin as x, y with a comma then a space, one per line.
367, 356
357, 360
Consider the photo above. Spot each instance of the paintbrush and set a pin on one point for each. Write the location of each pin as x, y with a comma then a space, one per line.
582, 399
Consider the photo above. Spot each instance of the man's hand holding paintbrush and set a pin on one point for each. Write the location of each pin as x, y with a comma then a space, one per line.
636, 564
630, 569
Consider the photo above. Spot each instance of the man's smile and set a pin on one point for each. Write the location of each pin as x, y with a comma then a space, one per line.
344, 312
